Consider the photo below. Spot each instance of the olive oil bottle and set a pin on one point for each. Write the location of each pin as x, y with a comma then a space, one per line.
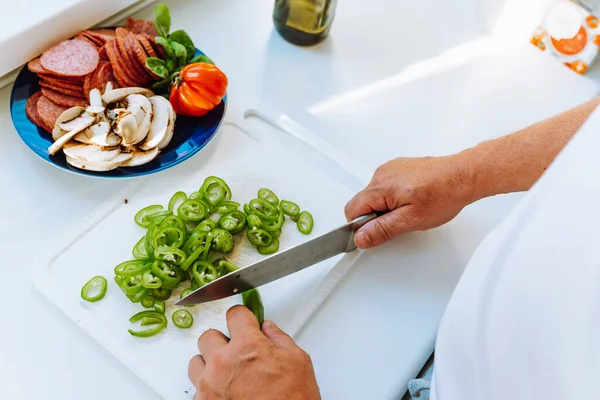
304, 22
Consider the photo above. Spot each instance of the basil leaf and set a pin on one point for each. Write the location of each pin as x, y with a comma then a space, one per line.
157, 66
180, 52
171, 64
165, 45
164, 84
162, 20
182, 37
201, 58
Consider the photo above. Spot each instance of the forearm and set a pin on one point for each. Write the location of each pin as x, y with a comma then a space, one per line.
513, 163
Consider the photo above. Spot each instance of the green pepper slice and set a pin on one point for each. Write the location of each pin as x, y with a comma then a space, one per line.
194, 285
94, 289
158, 217
131, 268
214, 190
251, 299
150, 321
253, 221
259, 237
192, 210
159, 305
148, 301
148, 332
263, 209
195, 196
275, 225
170, 236
270, 249
207, 244
162, 293
185, 292
233, 222
226, 207
132, 285
182, 319
276, 234
222, 240
173, 220
176, 201
170, 254
169, 274
305, 222
247, 209
269, 196
206, 226
139, 250
204, 272
226, 267
151, 281
141, 217
149, 235
191, 258
289, 208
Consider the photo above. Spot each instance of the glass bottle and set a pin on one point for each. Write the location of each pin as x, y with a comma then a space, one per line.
304, 22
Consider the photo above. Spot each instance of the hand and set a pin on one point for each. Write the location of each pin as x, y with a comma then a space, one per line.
254, 364
421, 193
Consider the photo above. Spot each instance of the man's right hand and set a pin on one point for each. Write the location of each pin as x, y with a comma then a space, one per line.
420, 193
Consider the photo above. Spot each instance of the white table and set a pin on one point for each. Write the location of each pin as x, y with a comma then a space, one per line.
412, 80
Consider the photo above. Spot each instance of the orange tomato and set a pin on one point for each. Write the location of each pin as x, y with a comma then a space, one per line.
592, 21
578, 66
198, 88
573, 45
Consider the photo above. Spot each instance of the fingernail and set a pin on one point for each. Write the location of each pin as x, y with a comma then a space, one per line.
362, 239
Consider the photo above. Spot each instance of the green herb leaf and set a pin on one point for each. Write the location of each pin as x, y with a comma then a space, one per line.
162, 20
165, 45
180, 52
157, 66
201, 58
182, 37
171, 64
163, 84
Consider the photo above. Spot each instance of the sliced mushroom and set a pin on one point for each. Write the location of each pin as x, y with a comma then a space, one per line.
99, 135
99, 165
67, 115
96, 105
115, 112
171, 127
126, 127
160, 123
91, 153
79, 124
108, 87
120, 94
141, 157
141, 108
84, 118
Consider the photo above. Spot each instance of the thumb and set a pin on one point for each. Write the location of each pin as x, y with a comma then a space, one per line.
385, 227
276, 335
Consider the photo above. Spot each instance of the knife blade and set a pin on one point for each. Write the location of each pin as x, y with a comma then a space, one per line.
279, 265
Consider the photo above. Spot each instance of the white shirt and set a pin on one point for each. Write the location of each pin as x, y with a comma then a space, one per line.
524, 320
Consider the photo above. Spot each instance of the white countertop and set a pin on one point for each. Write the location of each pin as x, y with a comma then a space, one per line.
414, 79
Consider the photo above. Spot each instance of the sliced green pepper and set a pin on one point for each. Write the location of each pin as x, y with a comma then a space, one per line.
131, 268
192, 210
207, 244
226, 267
150, 321
222, 240
151, 281
182, 319
290, 208
275, 225
158, 217
263, 209
233, 222
173, 220
269, 196
270, 249
169, 274
94, 289
204, 272
214, 190
185, 292
176, 201
132, 285
148, 332
195, 196
138, 297
247, 209
148, 301
170, 236
259, 237
191, 258
305, 222
253, 221
139, 250
149, 235
227, 206
141, 216
162, 293
276, 234
170, 254
159, 305
194, 285
196, 239
206, 226
253, 301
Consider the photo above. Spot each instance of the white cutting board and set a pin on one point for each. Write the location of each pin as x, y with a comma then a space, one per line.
106, 237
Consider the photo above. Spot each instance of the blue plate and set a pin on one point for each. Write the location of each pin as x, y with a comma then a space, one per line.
190, 136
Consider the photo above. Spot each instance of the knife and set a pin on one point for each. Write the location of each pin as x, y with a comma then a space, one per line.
279, 265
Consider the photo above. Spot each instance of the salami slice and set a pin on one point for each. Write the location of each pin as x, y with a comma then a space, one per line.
61, 80
102, 53
84, 38
32, 113
147, 45
71, 58
103, 35
98, 76
157, 47
35, 66
64, 100
132, 69
133, 47
140, 26
72, 92
113, 55
49, 111
98, 42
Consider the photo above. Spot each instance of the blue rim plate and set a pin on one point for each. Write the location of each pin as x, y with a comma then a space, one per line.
190, 136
